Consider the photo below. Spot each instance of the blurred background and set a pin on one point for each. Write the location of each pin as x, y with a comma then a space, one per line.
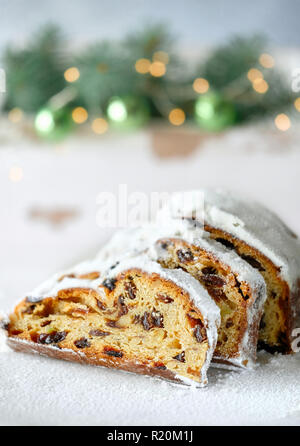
159, 96
195, 22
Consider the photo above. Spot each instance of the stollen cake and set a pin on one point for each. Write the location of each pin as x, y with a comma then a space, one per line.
236, 287
261, 239
133, 315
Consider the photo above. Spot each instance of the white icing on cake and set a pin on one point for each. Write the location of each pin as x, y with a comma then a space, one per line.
248, 221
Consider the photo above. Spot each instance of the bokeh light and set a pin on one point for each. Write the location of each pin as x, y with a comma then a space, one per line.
117, 111
201, 85
260, 86
44, 121
79, 115
15, 115
266, 60
158, 69
282, 122
254, 74
100, 126
177, 116
142, 66
297, 104
102, 67
72, 74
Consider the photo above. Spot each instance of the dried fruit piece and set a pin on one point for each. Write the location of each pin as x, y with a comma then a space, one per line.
131, 289
112, 352
225, 242
97, 332
160, 366
51, 338
253, 262
193, 321
29, 310
198, 334
217, 293
136, 319
147, 321
110, 284
185, 256
157, 319
122, 307
180, 357
43, 338
45, 323
82, 343
209, 270
213, 279
164, 298
58, 336
100, 305
112, 324
229, 323
262, 324
245, 297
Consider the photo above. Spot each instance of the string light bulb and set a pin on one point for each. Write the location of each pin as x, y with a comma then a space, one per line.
201, 85
15, 115
266, 60
282, 122
177, 116
297, 104
254, 74
100, 126
44, 121
142, 66
79, 115
72, 74
260, 86
158, 69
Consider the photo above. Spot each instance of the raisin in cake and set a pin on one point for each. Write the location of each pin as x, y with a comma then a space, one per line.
135, 316
260, 238
236, 287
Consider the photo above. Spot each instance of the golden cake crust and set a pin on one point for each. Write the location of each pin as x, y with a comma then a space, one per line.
92, 358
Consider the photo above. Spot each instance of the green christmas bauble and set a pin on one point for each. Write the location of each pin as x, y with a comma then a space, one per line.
53, 124
127, 112
214, 113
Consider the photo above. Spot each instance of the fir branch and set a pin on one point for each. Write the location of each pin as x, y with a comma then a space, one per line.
34, 74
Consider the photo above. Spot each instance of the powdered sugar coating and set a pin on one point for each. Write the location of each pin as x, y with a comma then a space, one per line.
248, 221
